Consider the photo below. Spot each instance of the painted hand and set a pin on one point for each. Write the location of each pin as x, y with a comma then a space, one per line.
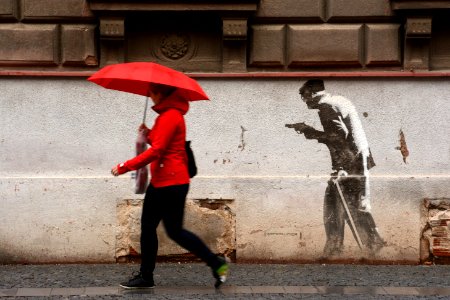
341, 125
342, 173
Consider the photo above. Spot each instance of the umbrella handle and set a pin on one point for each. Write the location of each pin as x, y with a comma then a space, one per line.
145, 110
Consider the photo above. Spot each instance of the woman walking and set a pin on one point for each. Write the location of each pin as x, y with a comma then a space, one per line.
166, 195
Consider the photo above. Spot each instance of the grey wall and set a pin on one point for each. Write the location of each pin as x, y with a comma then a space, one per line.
60, 137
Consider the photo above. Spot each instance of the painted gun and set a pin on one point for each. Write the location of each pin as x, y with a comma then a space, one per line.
299, 127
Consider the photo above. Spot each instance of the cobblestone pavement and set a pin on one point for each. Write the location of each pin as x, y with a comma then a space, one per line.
256, 281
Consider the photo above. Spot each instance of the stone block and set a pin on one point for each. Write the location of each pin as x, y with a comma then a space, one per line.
78, 45
51, 9
383, 44
357, 8
28, 44
291, 8
8, 10
267, 45
324, 45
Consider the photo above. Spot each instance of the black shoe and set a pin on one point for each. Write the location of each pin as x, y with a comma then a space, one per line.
138, 282
221, 273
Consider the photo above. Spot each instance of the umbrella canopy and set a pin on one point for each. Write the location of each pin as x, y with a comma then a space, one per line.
135, 77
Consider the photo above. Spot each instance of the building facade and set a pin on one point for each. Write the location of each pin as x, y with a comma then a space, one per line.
264, 190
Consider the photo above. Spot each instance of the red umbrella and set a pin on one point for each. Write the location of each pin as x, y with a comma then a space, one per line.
135, 78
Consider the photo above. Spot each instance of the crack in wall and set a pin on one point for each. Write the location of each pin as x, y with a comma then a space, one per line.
242, 144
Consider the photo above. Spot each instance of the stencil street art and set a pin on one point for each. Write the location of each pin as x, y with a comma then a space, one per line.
347, 197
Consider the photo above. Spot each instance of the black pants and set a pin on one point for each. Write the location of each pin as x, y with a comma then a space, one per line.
167, 204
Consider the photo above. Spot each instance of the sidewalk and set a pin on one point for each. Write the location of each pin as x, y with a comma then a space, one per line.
194, 281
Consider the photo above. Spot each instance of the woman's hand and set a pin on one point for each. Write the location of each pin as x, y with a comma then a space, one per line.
144, 129
115, 171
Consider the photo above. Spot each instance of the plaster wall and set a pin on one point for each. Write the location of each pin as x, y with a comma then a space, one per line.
60, 137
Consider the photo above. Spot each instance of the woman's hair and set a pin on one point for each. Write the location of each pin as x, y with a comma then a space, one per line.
162, 89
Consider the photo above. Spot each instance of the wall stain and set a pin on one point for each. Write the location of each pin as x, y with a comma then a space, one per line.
242, 145
403, 148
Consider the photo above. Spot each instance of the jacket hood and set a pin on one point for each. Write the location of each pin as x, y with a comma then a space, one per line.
174, 100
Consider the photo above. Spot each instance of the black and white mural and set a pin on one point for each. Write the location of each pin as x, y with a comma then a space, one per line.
347, 196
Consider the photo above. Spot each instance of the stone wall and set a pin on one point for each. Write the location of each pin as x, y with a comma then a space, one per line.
47, 35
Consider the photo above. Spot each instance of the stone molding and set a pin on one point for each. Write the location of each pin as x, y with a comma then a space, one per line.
55, 9
176, 47
419, 4
193, 5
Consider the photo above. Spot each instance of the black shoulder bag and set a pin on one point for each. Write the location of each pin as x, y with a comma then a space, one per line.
192, 166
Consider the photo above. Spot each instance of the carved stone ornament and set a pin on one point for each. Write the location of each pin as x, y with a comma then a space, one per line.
174, 46
113, 27
418, 27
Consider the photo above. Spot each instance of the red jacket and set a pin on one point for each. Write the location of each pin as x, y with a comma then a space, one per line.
167, 153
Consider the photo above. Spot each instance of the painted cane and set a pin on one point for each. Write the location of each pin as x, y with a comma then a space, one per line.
347, 211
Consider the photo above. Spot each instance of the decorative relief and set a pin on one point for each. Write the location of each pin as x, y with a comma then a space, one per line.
112, 27
418, 27
235, 29
175, 46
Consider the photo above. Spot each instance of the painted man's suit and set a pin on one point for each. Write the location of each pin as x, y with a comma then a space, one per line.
351, 159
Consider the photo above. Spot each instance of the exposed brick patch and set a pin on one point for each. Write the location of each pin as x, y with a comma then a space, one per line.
435, 238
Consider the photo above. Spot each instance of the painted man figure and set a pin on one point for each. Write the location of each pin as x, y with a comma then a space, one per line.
347, 197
